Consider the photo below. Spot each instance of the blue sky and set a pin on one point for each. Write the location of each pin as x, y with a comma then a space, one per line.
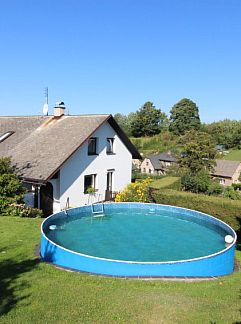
109, 56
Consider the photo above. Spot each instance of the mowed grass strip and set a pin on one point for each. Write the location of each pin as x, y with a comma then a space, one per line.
165, 182
32, 291
234, 155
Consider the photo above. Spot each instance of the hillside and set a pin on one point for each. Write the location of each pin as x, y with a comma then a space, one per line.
156, 144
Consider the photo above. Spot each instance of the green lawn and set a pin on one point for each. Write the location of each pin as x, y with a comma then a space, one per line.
34, 292
165, 182
234, 155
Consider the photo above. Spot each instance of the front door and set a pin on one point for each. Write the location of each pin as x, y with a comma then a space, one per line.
46, 199
109, 183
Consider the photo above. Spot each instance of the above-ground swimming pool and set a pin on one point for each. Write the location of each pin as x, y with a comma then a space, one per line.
138, 240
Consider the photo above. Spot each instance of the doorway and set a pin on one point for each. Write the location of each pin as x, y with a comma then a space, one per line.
46, 199
109, 185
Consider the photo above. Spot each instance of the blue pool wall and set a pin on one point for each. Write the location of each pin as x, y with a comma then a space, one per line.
218, 264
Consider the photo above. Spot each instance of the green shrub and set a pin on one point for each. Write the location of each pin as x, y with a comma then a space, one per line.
225, 209
136, 175
215, 189
20, 210
199, 182
12, 192
236, 186
135, 192
230, 193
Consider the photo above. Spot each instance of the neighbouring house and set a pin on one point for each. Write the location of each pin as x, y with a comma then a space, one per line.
136, 164
61, 157
227, 172
158, 163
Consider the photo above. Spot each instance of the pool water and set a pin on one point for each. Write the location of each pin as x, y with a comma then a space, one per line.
138, 235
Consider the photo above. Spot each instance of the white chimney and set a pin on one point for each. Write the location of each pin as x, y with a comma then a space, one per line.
59, 109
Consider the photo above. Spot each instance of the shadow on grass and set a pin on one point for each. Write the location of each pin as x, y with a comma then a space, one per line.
9, 287
11, 291
239, 234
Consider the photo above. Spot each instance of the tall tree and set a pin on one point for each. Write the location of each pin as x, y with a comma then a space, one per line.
198, 152
184, 116
227, 132
125, 122
147, 121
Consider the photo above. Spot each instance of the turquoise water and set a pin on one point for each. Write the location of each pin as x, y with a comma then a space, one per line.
139, 236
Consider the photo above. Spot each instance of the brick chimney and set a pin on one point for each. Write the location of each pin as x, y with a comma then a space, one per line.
59, 109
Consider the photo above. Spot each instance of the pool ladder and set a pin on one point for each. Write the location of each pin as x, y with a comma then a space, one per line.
66, 206
99, 211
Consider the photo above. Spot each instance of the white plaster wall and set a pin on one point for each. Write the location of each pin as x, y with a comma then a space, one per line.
146, 165
80, 164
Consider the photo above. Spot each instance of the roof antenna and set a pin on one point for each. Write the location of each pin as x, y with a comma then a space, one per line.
46, 105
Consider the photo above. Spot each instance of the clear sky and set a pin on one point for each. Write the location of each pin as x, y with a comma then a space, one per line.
109, 56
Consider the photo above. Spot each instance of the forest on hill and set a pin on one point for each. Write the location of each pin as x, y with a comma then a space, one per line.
152, 131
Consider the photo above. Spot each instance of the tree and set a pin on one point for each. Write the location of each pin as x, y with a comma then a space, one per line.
199, 182
226, 132
184, 116
198, 152
12, 192
124, 121
11, 189
147, 121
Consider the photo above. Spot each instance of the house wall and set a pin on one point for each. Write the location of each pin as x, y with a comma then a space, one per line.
72, 173
237, 174
137, 163
147, 167
223, 181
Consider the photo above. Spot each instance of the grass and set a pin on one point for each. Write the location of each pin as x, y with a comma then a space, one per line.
165, 182
32, 291
234, 155
155, 144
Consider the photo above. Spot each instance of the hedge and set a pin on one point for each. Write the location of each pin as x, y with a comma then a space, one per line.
227, 210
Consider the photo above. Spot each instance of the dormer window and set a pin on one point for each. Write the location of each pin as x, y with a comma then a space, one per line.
92, 146
110, 146
5, 135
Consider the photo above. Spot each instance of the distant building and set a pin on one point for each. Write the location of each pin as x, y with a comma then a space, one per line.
136, 164
227, 172
158, 163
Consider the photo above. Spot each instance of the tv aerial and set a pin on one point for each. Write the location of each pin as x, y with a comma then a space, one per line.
46, 104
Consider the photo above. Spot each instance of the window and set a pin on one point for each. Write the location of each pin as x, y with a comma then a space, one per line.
92, 146
150, 171
147, 163
222, 181
110, 146
5, 135
89, 182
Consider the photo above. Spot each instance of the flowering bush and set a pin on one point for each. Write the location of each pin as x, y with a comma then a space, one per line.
137, 192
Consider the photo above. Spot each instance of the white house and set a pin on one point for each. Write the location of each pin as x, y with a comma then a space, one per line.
60, 157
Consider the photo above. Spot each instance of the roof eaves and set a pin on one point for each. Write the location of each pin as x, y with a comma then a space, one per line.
131, 147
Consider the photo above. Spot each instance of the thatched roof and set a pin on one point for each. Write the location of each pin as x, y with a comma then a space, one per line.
225, 168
